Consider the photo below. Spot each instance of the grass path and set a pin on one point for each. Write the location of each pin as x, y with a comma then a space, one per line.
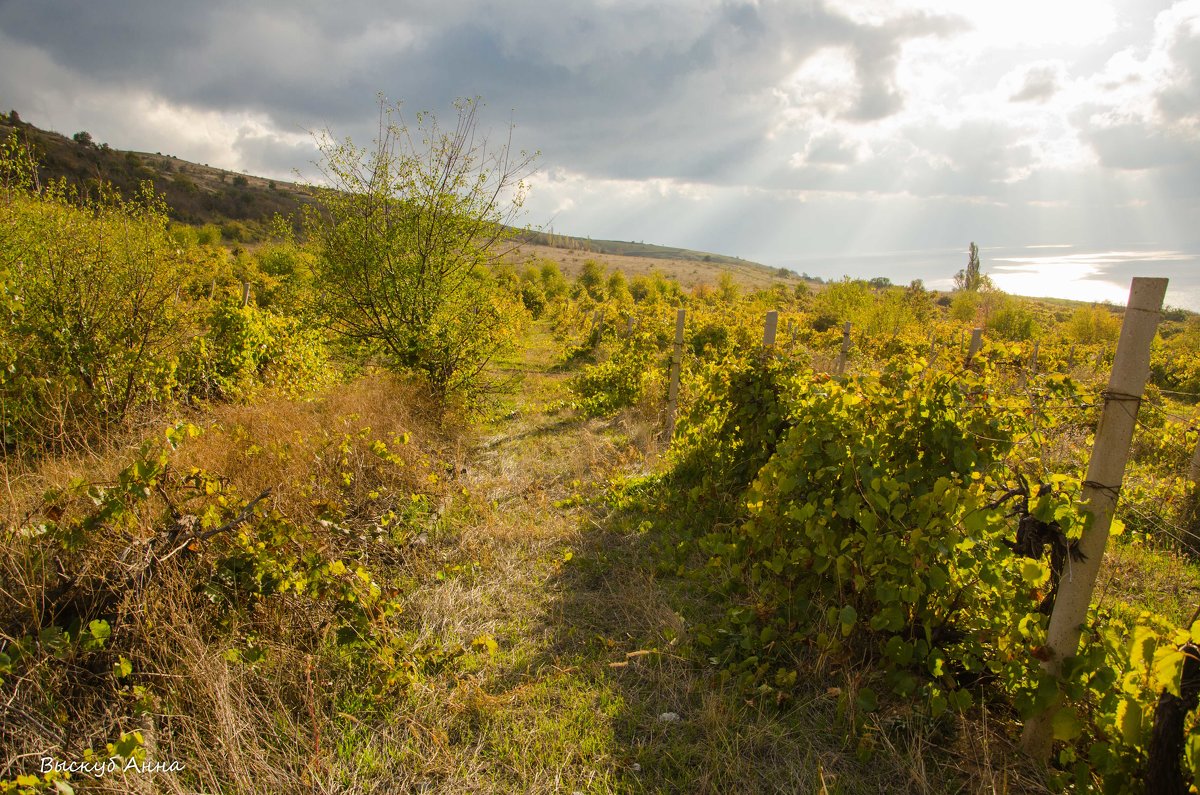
583, 678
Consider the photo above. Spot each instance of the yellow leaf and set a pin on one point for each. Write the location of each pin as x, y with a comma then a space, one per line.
486, 642
1034, 572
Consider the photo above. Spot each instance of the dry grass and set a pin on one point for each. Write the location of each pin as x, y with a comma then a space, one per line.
267, 726
1138, 575
303, 450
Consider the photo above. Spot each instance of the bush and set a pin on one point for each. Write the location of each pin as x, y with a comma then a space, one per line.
1013, 322
92, 327
622, 381
839, 302
245, 348
533, 294
1093, 324
964, 307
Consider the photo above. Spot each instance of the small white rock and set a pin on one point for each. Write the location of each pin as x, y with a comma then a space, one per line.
669, 717
635, 767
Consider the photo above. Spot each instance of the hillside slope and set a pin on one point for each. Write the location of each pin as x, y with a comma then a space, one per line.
244, 205
195, 193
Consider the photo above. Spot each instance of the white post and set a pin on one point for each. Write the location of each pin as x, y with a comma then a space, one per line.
1105, 472
245, 293
1194, 469
845, 353
772, 323
976, 344
676, 362
1191, 508
629, 328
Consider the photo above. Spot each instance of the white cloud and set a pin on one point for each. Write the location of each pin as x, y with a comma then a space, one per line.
1013, 23
824, 85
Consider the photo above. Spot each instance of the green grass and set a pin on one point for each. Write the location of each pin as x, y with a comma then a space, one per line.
1144, 577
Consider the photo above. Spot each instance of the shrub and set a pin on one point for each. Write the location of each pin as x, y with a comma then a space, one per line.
247, 347
1091, 324
964, 306
92, 326
622, 381
1013, 322
839, 302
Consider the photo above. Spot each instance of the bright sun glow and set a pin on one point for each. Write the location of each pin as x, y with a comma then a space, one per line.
1082, 277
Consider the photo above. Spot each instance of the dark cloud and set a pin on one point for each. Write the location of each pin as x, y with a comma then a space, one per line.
877, 52
615, 90
1162, 145
1137, 146
278, 157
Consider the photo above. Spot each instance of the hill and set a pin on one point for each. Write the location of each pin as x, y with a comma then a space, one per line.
243, 206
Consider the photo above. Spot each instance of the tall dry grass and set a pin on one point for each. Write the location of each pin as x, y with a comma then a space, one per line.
356, 475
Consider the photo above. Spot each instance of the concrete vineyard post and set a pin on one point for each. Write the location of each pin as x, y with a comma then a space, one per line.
772, 323
245, 293
1105, 472
1033, 360
1191, 508
845, 353
629, 328
1194, 469
676, 362
976, 344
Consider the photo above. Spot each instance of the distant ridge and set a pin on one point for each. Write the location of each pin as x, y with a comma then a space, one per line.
624, 248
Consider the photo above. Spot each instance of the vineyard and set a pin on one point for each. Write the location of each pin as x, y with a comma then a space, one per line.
580, 532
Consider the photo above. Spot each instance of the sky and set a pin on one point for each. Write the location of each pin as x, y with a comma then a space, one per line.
861, 137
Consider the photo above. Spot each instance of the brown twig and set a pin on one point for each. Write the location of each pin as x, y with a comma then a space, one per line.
240, 519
